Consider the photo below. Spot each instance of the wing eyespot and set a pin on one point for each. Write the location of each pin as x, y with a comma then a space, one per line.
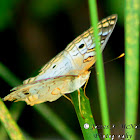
26, 93
81, 46
54, 66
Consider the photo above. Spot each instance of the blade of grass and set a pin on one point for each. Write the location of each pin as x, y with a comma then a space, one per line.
55, 121
91, 133
9, 124
15, 110
27, 136
6, 74
99, 68
132, 29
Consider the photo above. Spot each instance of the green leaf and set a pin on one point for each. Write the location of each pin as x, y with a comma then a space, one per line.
91, 133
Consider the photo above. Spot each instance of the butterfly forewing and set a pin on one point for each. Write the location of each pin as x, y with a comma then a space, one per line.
79, 55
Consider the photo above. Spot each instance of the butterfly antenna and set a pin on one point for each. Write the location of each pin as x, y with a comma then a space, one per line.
120, 56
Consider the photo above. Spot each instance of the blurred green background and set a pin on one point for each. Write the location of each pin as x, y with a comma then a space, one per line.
32, 32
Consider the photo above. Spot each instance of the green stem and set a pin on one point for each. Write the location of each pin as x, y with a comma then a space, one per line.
9, 124
55, 121
99, 68
132, 8
15, 111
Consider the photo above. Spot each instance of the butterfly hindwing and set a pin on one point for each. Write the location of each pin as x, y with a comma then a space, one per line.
47, 89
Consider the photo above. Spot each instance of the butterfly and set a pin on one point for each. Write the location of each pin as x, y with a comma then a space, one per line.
67, 71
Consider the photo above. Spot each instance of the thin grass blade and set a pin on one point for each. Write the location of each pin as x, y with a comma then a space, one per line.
132, 21
11, 127
99, 68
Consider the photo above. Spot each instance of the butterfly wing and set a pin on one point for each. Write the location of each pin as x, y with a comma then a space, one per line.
48, 89
79, 55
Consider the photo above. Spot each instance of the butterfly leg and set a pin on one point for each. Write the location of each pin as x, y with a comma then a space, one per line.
85, 89
67, 98
80, 103
57, 91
